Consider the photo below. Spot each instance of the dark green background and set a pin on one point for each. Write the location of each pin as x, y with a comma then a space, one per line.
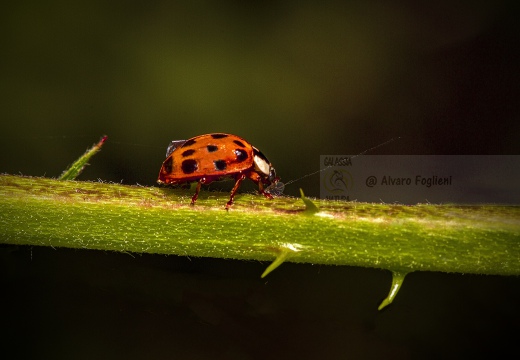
296, 79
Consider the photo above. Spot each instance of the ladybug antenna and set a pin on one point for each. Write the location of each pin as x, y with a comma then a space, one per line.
344, 160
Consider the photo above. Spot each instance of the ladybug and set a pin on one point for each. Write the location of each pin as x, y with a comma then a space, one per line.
211, 157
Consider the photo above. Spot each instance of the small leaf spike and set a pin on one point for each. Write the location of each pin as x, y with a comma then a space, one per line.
77, 167
282, 253
397, 282
310, 208
280, 258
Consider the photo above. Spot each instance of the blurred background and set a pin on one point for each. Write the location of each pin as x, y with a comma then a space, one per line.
297, 79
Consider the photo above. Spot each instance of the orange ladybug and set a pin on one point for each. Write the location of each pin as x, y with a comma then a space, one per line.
211, 157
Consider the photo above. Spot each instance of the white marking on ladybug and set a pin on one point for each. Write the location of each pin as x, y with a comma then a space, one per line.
261, 162
261, 165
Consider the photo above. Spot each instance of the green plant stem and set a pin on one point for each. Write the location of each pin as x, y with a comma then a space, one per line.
449, 238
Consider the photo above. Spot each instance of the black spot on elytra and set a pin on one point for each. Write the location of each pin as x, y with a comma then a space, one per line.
189, 166
241, 155
189, 143
168, 165
219, 136
188, 152
220, 164
239, 143
212, 148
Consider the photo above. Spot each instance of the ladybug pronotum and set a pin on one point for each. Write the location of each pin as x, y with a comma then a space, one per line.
211, 157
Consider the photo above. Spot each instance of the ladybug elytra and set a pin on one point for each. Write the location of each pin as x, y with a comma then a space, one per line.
211, 157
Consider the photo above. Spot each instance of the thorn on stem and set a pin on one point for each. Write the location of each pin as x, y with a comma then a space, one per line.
397, 282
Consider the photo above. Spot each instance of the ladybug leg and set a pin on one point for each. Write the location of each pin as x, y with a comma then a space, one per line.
261, 190
197, 190
258, 180
239, 179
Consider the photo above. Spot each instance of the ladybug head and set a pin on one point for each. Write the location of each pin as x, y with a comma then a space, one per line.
264, 168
